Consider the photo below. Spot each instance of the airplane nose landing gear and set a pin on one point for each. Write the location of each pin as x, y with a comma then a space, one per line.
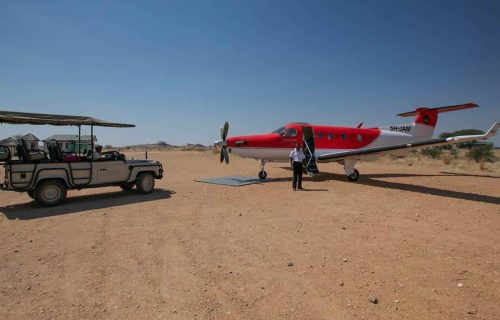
262, 172
262, 175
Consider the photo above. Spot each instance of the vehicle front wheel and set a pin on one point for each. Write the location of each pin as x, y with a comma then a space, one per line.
31, 193
127, 186
145, 183
50, 193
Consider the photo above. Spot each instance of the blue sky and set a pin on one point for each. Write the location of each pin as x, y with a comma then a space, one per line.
179, 69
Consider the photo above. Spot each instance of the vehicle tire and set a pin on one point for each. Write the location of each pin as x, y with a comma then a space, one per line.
353, 176
127, 186
262, 175
50, 193
145, 183
31, 193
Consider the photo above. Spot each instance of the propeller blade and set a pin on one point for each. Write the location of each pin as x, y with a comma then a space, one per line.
221, 154
226, 155
224, 130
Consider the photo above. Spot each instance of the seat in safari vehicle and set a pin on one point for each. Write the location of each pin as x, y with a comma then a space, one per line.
26, 154
57, 154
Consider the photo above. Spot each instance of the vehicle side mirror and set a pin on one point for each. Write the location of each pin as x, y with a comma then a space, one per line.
4, 153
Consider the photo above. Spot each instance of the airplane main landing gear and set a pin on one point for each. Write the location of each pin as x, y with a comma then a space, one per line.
351, 173
353, 176
262, 172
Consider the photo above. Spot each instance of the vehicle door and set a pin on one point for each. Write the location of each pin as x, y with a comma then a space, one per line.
111, 171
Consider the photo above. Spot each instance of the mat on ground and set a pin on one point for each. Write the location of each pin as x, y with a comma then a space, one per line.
235, 181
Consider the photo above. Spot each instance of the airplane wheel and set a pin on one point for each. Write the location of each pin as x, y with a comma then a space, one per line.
353, 176
262, 175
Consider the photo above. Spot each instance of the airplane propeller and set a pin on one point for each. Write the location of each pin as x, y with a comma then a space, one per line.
224, 155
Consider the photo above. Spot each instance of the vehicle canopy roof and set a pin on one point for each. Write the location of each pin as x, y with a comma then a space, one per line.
13, 117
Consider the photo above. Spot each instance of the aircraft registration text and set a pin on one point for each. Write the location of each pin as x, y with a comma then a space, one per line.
401, 128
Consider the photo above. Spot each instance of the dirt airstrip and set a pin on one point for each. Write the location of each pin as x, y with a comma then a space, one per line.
424, 240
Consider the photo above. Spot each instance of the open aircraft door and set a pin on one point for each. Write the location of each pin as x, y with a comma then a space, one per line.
310, 160
308, 138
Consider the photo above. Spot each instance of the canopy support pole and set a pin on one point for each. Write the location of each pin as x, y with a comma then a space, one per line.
92, 140
79, 139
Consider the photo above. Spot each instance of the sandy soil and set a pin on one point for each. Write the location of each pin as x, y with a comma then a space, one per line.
424, 241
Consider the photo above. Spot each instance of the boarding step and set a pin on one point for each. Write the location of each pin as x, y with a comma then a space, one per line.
311, 169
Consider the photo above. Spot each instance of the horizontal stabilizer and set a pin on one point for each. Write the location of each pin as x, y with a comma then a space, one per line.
439, 109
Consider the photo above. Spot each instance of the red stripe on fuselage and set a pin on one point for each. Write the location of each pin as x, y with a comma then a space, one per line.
325, 137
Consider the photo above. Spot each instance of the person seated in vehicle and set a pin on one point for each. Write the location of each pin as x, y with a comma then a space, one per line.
97, 153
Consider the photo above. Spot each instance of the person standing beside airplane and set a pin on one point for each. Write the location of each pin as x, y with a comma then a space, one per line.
296, 158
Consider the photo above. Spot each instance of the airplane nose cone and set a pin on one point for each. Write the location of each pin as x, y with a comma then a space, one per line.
220, 143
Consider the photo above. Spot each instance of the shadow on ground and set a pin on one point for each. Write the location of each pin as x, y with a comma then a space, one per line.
373, 181
32, 210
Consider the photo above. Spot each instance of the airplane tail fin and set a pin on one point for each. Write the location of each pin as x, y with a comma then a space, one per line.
426, 118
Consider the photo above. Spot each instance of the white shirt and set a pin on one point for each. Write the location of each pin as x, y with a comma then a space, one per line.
96, 156
297, 155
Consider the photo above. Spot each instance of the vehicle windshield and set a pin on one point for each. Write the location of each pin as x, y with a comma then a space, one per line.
279, 130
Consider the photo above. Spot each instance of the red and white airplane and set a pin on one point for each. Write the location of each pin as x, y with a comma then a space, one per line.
344, 145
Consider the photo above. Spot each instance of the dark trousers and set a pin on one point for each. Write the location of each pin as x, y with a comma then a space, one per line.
297, 175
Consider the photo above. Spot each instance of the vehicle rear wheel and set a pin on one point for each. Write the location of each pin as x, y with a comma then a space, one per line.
145, 183
127, 186
353, 176
50, 192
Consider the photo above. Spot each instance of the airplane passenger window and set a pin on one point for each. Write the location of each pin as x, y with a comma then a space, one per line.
290, 132
343, 136
359, 137
320, 135
330, 136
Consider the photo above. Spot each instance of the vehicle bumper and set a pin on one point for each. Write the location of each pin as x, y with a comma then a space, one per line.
160, 171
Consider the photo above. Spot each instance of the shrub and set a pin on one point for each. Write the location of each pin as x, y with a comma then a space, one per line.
482, 154
434, 152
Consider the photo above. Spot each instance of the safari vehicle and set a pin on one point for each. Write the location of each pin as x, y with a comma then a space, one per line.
46, 175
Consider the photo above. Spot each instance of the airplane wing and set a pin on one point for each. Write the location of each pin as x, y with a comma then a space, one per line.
427, 143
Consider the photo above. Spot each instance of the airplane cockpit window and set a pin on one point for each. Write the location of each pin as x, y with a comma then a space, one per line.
291, 132
279, 130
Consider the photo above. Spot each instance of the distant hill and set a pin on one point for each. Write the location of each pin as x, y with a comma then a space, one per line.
164, 146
